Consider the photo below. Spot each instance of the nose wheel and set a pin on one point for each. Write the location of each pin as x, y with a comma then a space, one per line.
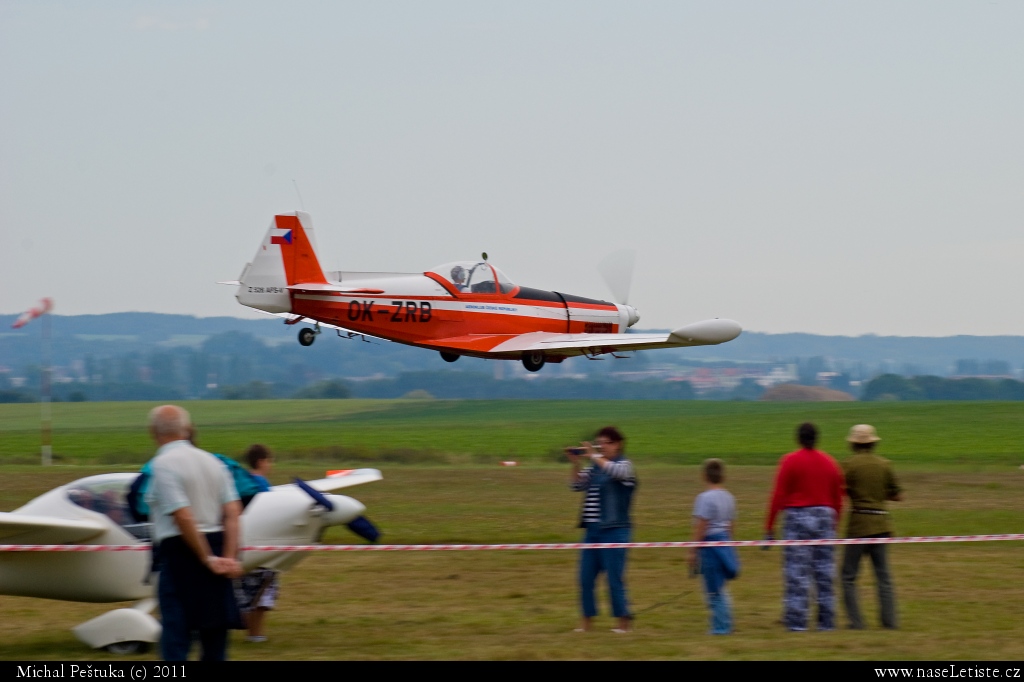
307, 336
533, 361
449, 357
127, 648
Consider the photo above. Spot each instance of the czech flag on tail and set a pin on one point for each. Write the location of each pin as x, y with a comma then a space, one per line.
283, 239
45, 306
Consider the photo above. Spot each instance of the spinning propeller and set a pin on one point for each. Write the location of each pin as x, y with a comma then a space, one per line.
617, 271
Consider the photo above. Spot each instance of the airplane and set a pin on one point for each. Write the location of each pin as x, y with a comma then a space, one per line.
460, 308
94, 511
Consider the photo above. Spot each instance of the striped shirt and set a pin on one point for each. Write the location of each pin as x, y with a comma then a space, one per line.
620, 469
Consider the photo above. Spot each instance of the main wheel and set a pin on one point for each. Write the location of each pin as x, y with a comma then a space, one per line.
533, 361
449, 357
307, 336
127, 648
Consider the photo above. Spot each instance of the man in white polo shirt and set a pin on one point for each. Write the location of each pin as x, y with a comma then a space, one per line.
195, 511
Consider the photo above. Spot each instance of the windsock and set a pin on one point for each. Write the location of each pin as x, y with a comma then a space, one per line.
45, 306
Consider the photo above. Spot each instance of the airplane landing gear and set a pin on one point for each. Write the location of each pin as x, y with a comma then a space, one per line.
449, 357
111, 630
127, 648
533, 361
307, 336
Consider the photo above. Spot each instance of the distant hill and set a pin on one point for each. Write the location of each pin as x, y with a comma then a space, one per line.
117, 334
804, 394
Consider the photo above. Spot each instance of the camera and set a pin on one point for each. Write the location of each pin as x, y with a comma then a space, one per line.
577, 451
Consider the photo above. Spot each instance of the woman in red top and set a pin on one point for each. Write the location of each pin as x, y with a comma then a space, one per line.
809, 487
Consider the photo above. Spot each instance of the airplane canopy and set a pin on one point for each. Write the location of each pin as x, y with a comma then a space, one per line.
477, 277
108, 495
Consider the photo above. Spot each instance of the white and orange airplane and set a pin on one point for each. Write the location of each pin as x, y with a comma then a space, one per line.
462, 308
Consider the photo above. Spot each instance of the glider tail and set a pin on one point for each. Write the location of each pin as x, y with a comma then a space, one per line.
286, 256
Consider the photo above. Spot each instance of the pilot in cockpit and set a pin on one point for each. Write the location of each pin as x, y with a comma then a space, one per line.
459, 278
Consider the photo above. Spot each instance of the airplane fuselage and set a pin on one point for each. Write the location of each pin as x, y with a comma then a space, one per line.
420, 310
458, 308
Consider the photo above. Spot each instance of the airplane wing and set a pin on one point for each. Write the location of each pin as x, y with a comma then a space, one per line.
707, 333
27, 529
345, 479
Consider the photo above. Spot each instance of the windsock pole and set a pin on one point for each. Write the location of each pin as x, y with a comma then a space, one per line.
46, 419
46, 426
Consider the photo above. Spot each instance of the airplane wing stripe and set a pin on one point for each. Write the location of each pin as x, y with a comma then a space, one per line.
478, 343
357, 477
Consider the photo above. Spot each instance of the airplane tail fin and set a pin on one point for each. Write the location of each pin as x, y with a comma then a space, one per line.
287, 255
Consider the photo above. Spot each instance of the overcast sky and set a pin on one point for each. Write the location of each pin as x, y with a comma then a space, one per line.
826, 167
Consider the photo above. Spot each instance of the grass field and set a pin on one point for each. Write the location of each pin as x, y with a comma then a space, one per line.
457, 432
958, 464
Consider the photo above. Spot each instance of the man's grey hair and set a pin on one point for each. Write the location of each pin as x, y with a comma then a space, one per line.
169, 421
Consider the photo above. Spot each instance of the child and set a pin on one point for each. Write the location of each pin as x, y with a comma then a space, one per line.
257, 591
714, 512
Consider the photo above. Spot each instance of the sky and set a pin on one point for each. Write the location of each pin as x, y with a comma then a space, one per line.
835, 168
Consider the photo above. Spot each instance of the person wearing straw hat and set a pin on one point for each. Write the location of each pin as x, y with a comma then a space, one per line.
870, 483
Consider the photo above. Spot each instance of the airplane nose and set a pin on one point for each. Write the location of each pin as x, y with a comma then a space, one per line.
628, 316
634, 315
345, 510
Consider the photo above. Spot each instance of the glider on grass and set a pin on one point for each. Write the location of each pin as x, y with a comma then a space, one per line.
95, 511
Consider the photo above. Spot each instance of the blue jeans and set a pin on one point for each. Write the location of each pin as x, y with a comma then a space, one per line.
612, 562
717, 565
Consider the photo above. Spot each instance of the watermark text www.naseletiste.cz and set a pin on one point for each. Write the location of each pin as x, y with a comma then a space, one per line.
949, 671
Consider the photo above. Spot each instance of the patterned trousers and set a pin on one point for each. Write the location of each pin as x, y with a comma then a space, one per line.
802, 563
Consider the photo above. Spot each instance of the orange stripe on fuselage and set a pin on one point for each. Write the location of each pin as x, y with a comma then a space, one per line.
301, 265
414, 323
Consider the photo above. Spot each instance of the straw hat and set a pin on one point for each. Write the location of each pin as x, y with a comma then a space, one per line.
863, 433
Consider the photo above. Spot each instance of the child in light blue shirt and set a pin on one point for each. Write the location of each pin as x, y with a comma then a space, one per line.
714, 512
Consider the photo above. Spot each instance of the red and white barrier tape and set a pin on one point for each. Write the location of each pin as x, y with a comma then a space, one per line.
519, 547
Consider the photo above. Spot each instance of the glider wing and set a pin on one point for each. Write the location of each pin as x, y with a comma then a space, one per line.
28, 529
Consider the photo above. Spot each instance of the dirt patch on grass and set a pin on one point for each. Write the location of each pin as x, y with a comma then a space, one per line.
805, 394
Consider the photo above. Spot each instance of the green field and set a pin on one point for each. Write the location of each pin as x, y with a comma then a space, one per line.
959, 464
458, 432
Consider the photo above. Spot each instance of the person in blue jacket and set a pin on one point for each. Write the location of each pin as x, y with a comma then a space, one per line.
609, 483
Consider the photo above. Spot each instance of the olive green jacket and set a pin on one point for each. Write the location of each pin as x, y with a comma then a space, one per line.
870, 482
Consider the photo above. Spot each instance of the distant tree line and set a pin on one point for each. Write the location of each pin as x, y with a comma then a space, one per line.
236, 365
896, 387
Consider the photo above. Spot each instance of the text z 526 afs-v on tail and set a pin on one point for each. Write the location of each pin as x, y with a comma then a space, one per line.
459, 308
